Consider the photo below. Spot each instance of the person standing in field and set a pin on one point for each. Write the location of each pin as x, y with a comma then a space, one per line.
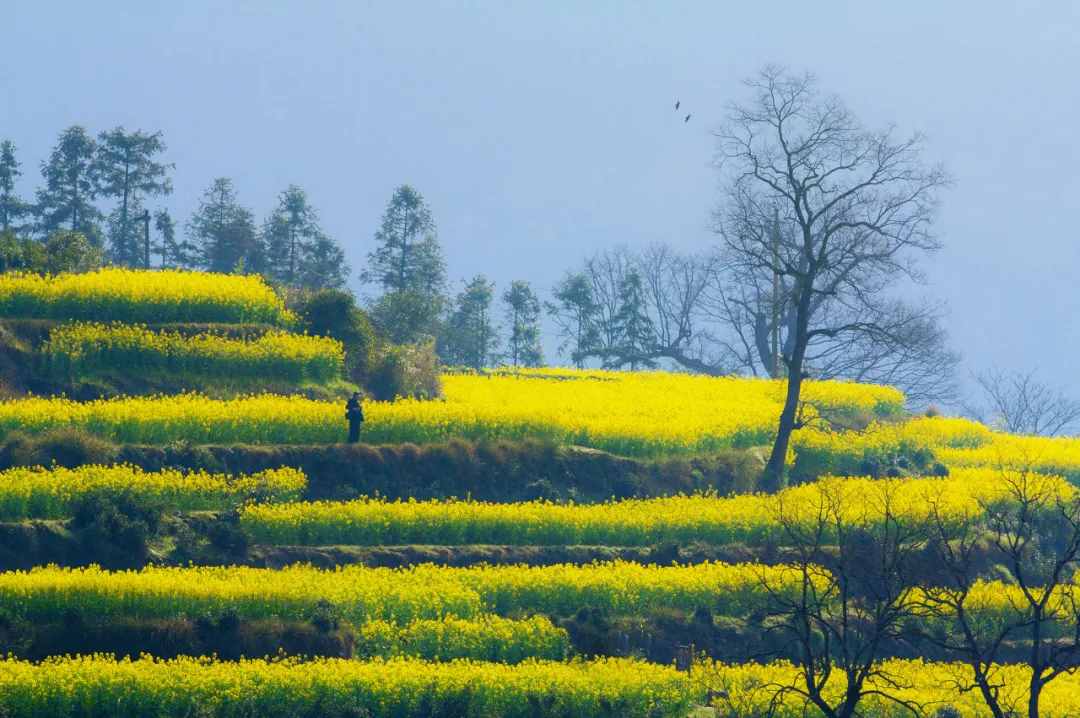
354, 413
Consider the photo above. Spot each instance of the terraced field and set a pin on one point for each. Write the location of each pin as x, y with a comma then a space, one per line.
201, 561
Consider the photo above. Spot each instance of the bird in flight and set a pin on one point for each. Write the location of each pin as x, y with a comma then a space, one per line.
686, 119
677, 103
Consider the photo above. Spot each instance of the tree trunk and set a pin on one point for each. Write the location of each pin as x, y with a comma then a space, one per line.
124, 218
773, 477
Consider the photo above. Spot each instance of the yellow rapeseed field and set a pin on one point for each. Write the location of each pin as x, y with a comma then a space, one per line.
82, 348
635, 414
747, 689
41, 493
337, 688
401, 595
751, 519
131, 295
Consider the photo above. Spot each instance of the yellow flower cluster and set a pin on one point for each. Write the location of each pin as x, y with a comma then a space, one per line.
629, 413
131, 295
751, 519
747, 690
261, 419
399, 595
635, 414
1056, 455
51, 493
842, 452
66, 687
336, 688
88, 348
955, 442
484, 638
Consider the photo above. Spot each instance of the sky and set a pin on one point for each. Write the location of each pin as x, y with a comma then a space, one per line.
541, 132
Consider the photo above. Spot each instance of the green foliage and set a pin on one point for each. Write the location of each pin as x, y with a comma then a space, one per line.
298, 252
71, 184
407, 370
408, 257
575, 313
408, 316
12, 208
632, 328
127, 172
20, 253
469, 337
70, 252
223, 232
67, 447
173, 252
523, 316
407, 265
333, 313
116, 524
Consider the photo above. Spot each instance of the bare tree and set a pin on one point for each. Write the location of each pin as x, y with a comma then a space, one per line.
1019, 403
754, 307
853, 207
844, 604
1034, 533
709, 317
674, 287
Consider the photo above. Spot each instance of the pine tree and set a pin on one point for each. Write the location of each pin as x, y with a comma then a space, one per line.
469, 338
12, 209
575, 312
125, 165
223, 233
298, 252
124, 229
632, 326
523, 316
174, 253
71, 184
407, 265
408, 257
325, 266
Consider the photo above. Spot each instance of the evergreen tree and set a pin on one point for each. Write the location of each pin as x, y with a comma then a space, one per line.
174, 253
632, 326
325, 266
12, 209
575, 312
523, 316
124, 229
127, 170
408, 317
298, 252
71, 184
407, 265
408, 257
223, 233
470, 338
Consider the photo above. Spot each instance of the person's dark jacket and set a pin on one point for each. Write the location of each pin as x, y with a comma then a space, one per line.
354, 411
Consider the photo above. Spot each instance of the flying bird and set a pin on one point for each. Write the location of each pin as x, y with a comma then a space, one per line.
677, 103
686, 119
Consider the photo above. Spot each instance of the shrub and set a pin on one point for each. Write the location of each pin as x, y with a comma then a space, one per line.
333, 313
410, 370
65, 446
117, 521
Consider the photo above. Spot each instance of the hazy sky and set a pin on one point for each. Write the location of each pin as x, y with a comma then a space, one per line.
542, 131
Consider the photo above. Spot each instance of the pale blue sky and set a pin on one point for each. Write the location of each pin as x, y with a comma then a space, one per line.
542, 131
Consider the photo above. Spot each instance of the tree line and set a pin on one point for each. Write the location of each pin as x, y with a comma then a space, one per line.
820, 226
124, 170
818, 223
